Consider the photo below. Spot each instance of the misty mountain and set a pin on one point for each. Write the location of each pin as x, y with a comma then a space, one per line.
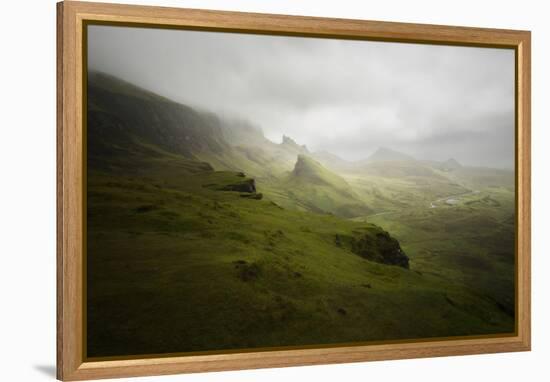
124, 120
217, 224
385, 162
310, 171
121, 113
130, 127
240, 132
451, 164
319, 189
384, 154
333, 161
128, 124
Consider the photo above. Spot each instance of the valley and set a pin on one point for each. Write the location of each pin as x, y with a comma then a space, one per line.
205, 236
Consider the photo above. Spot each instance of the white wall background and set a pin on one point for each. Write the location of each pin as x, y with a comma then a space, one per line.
27, 188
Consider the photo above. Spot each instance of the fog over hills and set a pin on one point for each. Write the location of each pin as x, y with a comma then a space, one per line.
251, 191
187, 207
341, 96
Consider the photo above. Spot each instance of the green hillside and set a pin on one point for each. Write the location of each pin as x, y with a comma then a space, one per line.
307, 170
125, 121
311, 187
467, 239
200, 240
175, 264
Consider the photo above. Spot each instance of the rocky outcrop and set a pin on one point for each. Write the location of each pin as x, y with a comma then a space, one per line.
381, 248
291, 143
247, 185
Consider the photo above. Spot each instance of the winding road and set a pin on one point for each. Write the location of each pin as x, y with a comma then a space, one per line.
433, 204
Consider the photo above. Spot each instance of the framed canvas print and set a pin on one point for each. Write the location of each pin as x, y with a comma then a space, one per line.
246, 190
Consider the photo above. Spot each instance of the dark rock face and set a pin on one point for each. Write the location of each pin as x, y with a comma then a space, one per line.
381, 248
248, 185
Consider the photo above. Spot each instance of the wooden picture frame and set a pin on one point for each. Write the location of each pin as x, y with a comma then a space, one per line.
71, 20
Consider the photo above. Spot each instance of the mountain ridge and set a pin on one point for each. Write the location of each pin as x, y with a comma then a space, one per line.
126, 121
323, 191
384, 154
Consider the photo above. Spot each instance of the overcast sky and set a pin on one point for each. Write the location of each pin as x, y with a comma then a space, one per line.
346, 97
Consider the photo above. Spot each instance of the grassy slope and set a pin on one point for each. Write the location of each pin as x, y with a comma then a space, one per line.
469, 243
124, 114
316, 189
311, 187
393, 193
176, 266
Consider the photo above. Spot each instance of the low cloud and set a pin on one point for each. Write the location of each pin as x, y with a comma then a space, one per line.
347, 97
